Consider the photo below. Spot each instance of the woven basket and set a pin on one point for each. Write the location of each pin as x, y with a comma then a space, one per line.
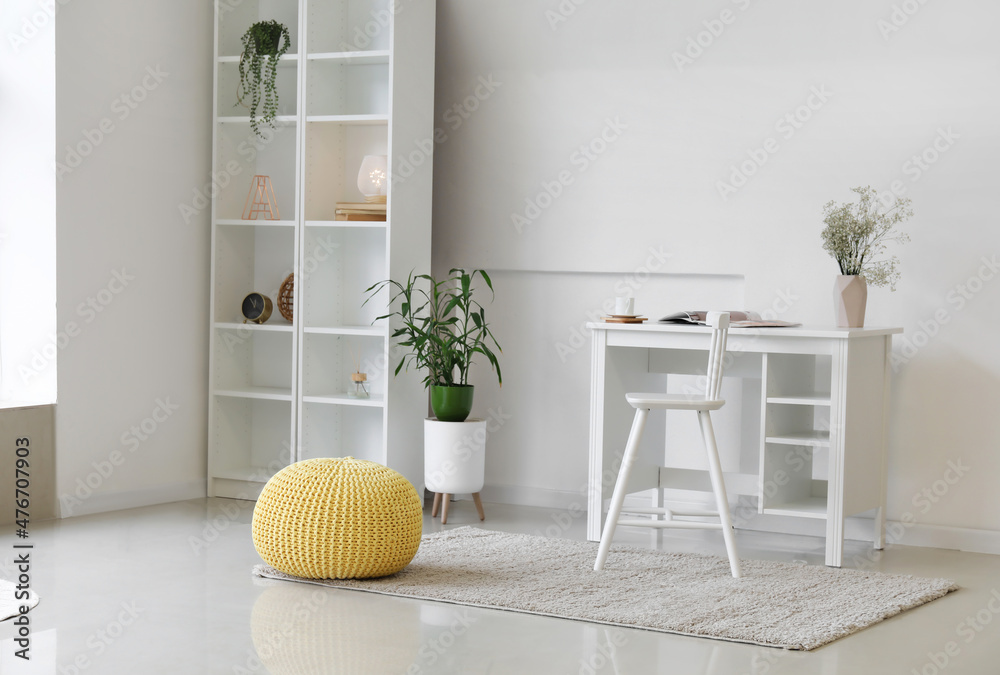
286, 297
337, 519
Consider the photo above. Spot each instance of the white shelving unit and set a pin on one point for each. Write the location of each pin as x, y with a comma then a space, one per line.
795, 443
357, 80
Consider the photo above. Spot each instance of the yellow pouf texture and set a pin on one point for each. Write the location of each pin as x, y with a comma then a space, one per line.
337, 519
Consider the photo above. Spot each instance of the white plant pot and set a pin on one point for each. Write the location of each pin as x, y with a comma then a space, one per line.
455, 456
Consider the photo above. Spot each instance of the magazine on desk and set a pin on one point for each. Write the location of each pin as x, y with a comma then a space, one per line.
736, 320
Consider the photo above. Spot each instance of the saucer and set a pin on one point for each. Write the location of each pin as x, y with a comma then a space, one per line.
625, 316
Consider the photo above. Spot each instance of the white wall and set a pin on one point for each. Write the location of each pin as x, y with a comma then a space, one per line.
28, 342
133, 127
558, 71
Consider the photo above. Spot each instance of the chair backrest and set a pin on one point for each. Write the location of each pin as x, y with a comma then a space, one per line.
719, 321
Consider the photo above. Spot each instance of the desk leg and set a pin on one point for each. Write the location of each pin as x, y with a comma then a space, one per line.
834, 539
656, 534
595, 483
886, 381
835, 479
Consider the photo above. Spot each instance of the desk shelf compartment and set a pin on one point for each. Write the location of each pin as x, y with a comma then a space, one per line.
795, 435
791, 480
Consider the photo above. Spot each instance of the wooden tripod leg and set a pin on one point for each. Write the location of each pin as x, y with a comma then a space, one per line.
479, 505
437, 504
444, 508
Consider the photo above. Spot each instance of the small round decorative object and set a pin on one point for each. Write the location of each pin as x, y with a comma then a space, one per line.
257, 308
337, 519
286, 297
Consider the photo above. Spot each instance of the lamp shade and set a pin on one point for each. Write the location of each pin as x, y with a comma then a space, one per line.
373, 178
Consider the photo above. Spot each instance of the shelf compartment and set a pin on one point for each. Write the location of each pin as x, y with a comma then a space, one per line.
233, 222
240, 155
346, 223
344, 399
279, 326
337, 266
341, 431
792, 481
378, 330
288, 60
347, 89
247, 260
286, 84
328, 361
808, 507
816, 398
251, 438
797, 424
254, 364
249, 474
279, 120
372, 119
811, 437
372, 57
798, 379
348, 26
236, 17
333, 155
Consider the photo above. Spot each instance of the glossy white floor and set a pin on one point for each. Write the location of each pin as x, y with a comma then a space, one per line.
167, 589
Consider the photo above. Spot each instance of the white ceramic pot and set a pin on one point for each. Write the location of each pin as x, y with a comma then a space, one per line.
455, 456
850, 296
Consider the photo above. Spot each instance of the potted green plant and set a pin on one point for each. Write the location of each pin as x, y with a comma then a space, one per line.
263, 44
856, 235
444, 328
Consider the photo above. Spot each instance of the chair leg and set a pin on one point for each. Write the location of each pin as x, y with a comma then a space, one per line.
719, 488
445, 498
621, 485
437, 504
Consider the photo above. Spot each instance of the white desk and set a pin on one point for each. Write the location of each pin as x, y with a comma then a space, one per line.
824, 392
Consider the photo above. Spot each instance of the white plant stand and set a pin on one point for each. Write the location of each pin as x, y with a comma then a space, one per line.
454, 462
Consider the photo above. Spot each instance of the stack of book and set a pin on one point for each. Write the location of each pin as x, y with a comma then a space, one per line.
360, 211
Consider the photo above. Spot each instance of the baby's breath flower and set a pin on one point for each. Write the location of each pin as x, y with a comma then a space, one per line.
856, 235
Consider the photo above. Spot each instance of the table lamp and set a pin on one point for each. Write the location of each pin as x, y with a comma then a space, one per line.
372, 178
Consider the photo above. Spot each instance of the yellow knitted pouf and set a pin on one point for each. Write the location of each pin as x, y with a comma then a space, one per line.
337, 519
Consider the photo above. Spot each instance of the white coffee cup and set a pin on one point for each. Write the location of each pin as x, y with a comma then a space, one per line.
624, 306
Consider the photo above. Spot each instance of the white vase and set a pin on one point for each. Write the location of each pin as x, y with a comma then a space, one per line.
850, 296
455, 456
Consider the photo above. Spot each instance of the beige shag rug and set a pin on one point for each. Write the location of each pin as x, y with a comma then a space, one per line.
775, 604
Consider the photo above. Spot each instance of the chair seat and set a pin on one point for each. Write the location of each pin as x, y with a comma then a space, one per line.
672, 401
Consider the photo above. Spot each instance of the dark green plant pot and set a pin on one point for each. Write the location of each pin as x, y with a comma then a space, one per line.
452, 404
274, 33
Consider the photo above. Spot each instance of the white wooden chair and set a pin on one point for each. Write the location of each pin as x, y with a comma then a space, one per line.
643, 403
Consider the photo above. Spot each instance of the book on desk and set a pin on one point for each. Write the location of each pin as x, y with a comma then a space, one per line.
737, 319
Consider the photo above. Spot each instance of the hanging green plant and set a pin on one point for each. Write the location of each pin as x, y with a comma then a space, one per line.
263, 44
